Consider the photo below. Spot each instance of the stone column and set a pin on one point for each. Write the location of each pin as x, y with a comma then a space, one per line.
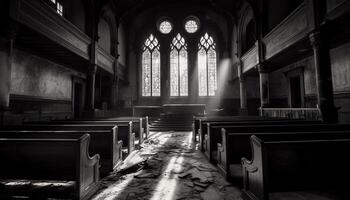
323, 74
264, 86
91, 68
90, 87
242, 91
114, 95
243, 97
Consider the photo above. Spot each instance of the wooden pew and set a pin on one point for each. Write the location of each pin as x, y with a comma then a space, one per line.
199, 120
235, 143
124, 129
212, 135
139, 123
232, 119
51, 168
313, 166
104, 139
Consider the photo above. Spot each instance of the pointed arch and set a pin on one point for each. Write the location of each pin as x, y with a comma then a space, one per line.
151, 67
207, 66
178, 67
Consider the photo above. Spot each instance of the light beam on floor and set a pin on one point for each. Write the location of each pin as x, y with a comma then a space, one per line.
113, 191
167, 186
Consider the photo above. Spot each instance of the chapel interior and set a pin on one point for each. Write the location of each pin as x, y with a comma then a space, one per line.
175, 99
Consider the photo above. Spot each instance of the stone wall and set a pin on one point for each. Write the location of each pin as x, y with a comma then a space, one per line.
40, 90
35, 76
341, 80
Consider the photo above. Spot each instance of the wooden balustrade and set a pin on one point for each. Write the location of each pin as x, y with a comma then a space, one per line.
292, 113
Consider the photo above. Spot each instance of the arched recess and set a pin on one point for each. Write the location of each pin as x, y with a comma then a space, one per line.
247, 34
277, 11
73, 11
107, 31
77, 14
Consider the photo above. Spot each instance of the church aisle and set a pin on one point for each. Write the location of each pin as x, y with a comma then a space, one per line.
167, 167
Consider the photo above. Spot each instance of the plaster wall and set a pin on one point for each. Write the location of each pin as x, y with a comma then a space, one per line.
35, 76
122, 45
341, 68
104, 34
341, 80
331, 4
279, 86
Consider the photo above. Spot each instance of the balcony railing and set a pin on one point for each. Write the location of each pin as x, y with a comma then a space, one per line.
292, 113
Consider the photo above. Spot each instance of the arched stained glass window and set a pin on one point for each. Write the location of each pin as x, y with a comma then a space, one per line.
207, 72
151, 67
178, 67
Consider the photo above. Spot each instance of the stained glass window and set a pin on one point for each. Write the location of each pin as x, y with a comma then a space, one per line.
151, 67
165, 27
191, 26
59, 9
207, 72
178, 67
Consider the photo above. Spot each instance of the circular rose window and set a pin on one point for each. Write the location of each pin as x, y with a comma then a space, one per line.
165, 27
192, 25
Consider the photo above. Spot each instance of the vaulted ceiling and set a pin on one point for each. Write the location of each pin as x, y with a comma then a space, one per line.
129, 8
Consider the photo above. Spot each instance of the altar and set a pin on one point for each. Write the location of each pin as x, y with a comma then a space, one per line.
187, 109
191, 109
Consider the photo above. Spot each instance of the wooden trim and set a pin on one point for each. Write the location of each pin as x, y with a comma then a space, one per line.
338, 11
39, 98
250, 59
280, 39
285, 21
41, 18
105, 60
342, 94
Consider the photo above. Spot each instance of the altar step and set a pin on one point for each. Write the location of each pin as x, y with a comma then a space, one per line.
172, 122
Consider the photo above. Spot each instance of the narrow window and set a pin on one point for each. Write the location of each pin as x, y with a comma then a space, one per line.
178, 67
207, 72
151, 67
59, 9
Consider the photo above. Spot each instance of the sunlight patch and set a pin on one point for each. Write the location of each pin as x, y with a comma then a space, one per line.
167, 186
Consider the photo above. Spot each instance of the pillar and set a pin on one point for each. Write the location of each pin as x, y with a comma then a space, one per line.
242, 91
114, 95
264, 86
323, 74
90, 87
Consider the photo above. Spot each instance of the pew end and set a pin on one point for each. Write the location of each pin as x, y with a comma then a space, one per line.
253, 188
46, 166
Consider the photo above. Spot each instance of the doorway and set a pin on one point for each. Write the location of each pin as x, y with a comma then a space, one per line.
296, 92
295, 80
78, 99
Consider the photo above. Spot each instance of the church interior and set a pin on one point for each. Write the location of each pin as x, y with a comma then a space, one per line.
175, 99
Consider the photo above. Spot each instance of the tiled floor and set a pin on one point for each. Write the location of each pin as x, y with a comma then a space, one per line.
168, 167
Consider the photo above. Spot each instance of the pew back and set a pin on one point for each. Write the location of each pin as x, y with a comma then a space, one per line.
297, 162
58, 159
104, 140
124, 129
235, 141
212, 135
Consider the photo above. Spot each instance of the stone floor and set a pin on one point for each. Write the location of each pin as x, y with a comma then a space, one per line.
167, 167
